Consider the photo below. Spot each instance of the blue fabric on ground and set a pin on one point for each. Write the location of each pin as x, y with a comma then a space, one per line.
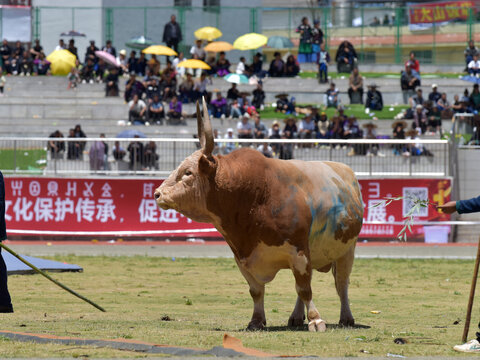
15, 266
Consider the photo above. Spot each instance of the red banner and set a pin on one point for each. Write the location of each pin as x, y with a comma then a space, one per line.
438, 12
117, 207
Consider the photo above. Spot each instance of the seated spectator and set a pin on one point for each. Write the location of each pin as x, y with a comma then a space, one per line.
212, 62
6, 54
375, 21
474, 66
136, 111
17, 54
469, 53
370, 133
256, 68
335, 130
36, 49
228, 147
156, 112
26, 64
233, 93
416, 149
413, 63
73, 78
322, 126
331, 96
434, 96
108, 48
351, 130
355, 90
41, 66
100, 68
445, 107
136, 150
306, 129
475, 98
186, 89
132, 61
241, 66
259, 129
283, 105
133, 87
258, 96
409, 81
434, 119
168, 87
386, 20
291, 67
118, 151
277, 66
290, 131
87, 73
71, 48
245, 128
420, 121
90, 52
399, 134
181, 71
235, 110
222, 65
150, 156
346, 57
200, 87
244, 102
415, 100
456, 105
174, 115
374, 98
111, 83
266, 150
153, 64
323, 62
57, 148
219, 106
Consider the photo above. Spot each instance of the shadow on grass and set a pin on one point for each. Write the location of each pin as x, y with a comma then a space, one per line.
302, 328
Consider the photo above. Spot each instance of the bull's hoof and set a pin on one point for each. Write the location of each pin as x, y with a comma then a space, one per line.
256, 325
317, 325
295, 322
347, 322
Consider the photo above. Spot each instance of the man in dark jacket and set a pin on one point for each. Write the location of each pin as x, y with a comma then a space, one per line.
172, 34
5, 300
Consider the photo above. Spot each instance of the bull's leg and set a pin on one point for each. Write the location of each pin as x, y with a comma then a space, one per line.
257, 292
298, 315
341, 272
303, 277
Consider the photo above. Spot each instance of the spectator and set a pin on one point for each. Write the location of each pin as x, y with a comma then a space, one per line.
257, 66
87, 73
233, 93
282, 103
118, 151
335, 130
212, 62
322, 126
258, 96
73, 147
245, 128
399, 134
305, 45
136, 150
355, 90
132, 61
200, 87
386, 20
259, 129
186, 89
474, 66
346, 57
317, 40
235, 110
456, 106
241, 67
306, 129
277, 66
475, 98
26, 64
156, 112
469, 53
174, 115
73, 78
133, 87
150, 156
266, 150
291, 67
413, 63
90, 52
409, 81
61, 45
97, 155
445, 107
417, 99
219, 106
109, 48
243, 101
222, 65
197, 51
100, 68
371, 133
36, 49
417, 148
153, 64
3, 80
331, 96
57, 147
420, 121
351, 130
172, 33
6, 54
41, 66
375, 22
17, 54
136, 111
290, 131
111, 83
72, 48
181, 71
434, 119
374, 98
228, 147
122, 62
323, 61
434, 96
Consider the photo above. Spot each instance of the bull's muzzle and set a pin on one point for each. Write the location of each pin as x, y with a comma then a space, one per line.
160, 199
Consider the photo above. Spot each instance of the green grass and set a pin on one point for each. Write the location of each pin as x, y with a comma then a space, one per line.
418, 300
356, 110
26, 159
378, 75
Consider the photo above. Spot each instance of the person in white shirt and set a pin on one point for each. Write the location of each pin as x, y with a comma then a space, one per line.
241, 66
61, 45
180, 70
198, 53
474, 66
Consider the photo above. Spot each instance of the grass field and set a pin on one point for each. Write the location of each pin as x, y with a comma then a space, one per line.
26, 159
418, 300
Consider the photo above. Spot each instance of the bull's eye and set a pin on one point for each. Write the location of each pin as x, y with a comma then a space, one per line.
188, 172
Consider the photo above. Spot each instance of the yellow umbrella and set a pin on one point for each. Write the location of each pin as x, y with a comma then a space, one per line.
159, 50
218, 46
61, 62
194, 64
250, 41
208, 33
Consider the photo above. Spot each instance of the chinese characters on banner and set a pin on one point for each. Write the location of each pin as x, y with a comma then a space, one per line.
96, 205
425, 14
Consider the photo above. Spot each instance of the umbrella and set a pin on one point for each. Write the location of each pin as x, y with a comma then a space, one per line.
194, 64
61, 61
139, 42
279, 42
159, 50
250, 41
131, 133
236, 78
208, 33
72, 33
107, 57
218, 46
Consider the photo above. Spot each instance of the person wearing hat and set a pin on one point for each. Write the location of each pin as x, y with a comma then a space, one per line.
420, 120
399, 134
245, 127
434, 96
317, 40
90, 52
370, 133
229, 146
122, 62
277, 66
374, 98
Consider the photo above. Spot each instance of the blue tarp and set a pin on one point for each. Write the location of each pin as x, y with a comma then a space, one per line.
15, 266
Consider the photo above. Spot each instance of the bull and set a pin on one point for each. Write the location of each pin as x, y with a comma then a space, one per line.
274, 214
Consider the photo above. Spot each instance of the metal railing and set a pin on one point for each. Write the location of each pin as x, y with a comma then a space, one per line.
160, 156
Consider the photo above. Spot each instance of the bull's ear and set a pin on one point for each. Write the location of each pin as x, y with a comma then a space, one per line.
207, 165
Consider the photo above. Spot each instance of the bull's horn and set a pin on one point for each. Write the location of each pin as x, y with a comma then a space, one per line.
207, 131
201, 130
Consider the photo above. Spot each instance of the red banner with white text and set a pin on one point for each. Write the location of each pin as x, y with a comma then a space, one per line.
126, 207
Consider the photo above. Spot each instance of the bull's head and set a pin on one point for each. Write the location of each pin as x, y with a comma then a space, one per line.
187, 188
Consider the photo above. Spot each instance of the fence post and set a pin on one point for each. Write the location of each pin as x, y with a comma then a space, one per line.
109, 24
370, 159
174, 154
145, 27
470, 24
289, 23
362, 15
14, 156
410, 164
36, 31
181, 20
398, 49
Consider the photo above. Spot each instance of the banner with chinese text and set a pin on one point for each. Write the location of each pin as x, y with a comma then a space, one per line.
424, 15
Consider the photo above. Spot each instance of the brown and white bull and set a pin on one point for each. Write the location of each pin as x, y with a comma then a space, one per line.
274, 214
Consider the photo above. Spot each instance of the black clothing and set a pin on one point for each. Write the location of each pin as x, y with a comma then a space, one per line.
5, 300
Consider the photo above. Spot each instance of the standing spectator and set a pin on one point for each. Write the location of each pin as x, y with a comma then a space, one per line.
41, 66
72, 48
374, 98
228, 147
323, 61
96, 155
186, 89
79, 134
111, 83
420, 121
469, 53
136, 111
150, 156
74, 148
90, 52
122, 62
259, 129
118, 151
57, 147
434, 96
331, 96
409, 80
133, 87
305, 46
277, 66
222, 65
258, 96
413, 63
474, 66
317, 40
135, 150
355, 90
61, 45
132, 61
241, 68
156, 112
245, 128
291, 67
6, 54
172, 34
5, 300
109, 48
175, 112
219, 106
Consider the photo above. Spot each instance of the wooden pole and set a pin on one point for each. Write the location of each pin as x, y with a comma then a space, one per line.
50, 278
472, 295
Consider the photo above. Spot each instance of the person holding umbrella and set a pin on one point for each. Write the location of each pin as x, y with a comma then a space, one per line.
172, 34
5, 300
